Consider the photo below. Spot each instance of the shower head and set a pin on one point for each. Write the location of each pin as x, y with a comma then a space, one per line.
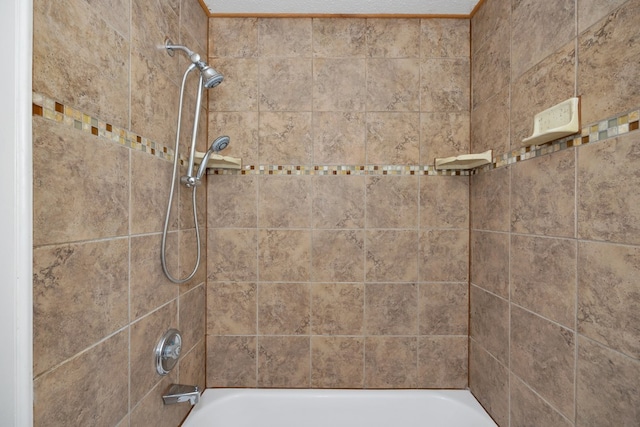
218, 145
211, 77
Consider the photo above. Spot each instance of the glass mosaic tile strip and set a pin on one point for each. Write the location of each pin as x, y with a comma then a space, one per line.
604, 129
63, 114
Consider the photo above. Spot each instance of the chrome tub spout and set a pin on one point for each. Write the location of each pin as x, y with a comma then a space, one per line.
179, 393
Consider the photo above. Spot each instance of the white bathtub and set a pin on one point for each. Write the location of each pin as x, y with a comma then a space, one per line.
337, 408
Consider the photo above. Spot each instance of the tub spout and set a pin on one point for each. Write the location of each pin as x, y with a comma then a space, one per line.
179, 393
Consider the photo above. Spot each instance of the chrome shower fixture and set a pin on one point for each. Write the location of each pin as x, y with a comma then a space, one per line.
211, 77
218, 145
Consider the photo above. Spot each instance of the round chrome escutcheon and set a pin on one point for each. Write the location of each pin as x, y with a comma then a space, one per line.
168, 351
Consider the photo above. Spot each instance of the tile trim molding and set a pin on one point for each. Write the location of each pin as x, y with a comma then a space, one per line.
55, 111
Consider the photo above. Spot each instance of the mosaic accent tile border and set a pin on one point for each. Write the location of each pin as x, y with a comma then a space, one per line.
394, 170
55, 111
63, 114
604, 129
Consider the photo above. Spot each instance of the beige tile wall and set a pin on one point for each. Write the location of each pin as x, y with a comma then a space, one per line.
101, 301
345, 281
554, 327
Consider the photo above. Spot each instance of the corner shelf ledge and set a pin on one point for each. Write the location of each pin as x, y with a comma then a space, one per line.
216, 161
464, 161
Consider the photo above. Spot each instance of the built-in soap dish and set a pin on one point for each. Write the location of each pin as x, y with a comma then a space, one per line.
464, 161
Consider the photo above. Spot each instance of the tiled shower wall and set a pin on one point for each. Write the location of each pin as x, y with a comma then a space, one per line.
101, 302
555, 255
330, 264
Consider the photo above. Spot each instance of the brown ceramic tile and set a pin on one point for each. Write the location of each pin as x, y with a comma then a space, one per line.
490, 262
443, 309
608, 200
337, 362
149, 287
284, 202
153, 25
392, 83
607, 389
392, 201
444, 256
592, 11
391, 309
337, 256
391, 362
284, 309
543, 195
231, 254
336, 37
338, 201
443, 135
391, 256
339, 84
290, 37
442, 362
145, 334
529, 409
338, 138
608, 300
239, 89
284, 255
490, 66
284, 362
115, 13
489, 383
242, 129
154, 97
149, 203
393, 138
152, 411
233, 37
194, 22
444, 38
101, 372
189, 257
231, 361
493, 15
489, 323
291, 73
64, 211
80, 292
191, 318
542, 354
544, 85
231, 308
537, 30
489, 200
192, 367
232, 201
608, 49
393, 38
490, 124
543, 277
337, 309
76, 54
285, 139
444, 202
445, 85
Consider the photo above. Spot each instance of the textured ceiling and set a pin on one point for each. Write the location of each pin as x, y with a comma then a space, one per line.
340, 7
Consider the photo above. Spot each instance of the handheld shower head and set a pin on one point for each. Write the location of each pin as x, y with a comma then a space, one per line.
218, 145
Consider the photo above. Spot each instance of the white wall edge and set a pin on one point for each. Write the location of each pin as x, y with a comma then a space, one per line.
16, 253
